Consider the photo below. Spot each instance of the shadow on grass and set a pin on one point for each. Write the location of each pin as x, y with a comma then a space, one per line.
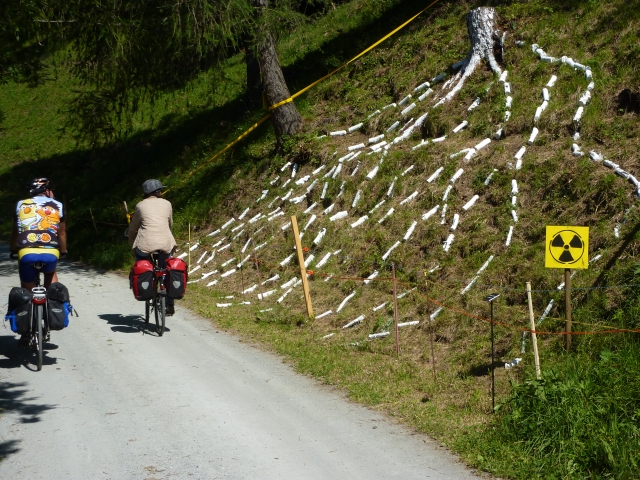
630, 237
482, 370
93, 183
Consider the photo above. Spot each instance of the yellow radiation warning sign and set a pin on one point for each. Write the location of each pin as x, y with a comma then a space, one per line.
567, 247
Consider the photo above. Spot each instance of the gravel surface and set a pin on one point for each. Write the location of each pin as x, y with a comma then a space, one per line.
114, 401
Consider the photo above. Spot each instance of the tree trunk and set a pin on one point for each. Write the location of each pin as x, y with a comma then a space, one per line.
483, 34
286, 119
484, 38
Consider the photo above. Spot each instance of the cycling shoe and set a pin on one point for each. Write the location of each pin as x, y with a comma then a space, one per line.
24, 341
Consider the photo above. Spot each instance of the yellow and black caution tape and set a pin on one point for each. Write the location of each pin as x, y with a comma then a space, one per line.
371, 47
300, 92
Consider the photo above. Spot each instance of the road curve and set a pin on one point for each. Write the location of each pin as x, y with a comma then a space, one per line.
113, 402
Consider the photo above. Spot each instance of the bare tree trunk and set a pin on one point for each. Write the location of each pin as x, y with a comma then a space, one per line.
286, 119
484, 38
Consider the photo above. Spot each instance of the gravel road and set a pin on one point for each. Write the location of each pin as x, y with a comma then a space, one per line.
112, 402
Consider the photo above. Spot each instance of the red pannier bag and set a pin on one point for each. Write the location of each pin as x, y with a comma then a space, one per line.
175, 281
141, 280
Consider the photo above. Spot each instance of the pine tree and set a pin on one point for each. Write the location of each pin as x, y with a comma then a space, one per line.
124, 52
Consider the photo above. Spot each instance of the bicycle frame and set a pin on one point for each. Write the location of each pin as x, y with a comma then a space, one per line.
158, 303
159, 275
39, 323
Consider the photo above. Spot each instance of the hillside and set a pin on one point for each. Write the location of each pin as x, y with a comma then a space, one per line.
474, 220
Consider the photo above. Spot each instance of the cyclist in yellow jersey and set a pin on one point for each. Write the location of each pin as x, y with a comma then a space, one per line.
39, 233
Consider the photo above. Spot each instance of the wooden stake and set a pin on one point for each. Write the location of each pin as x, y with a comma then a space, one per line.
567, 306
303, 270
395, 306
433, 356
126, 212
534, 338
255, 259
94, 222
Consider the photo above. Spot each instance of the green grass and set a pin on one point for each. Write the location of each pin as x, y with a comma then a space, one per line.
579, 421
528, 438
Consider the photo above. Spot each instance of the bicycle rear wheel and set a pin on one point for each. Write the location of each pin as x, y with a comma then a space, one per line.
38, 338
161, 311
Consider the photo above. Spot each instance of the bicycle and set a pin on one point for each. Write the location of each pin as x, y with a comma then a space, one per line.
39, 321
157, 304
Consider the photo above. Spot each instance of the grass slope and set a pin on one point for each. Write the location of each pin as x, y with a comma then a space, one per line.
581, 420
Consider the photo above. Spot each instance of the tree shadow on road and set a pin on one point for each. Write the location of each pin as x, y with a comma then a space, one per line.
129, 323
13, 356
7, 448
14, 398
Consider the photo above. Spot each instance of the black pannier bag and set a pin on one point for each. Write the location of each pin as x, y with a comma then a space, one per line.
58, 307
19, 312
175, 281
141, 279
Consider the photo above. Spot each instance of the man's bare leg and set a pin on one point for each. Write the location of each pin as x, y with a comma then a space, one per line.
49, 278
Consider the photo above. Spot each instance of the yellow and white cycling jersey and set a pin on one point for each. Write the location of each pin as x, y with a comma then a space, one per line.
38, 219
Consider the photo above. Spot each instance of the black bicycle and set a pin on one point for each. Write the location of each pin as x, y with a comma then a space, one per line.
157, 304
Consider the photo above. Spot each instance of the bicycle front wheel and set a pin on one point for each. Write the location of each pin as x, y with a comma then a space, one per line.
161, 311
38, 339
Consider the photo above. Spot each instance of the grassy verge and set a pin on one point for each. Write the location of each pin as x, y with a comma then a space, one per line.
580, 421
370, 372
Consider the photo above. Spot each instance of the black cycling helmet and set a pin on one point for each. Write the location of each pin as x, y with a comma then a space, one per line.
38, 186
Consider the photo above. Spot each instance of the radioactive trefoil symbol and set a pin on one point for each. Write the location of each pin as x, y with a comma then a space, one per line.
566, 247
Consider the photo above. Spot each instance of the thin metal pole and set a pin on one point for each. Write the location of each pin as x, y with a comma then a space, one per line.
255, 259
94, 222
395, 306
493, 382
567, 306
433, 356
241, 280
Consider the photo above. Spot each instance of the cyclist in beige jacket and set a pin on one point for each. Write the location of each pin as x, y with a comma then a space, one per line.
150, 229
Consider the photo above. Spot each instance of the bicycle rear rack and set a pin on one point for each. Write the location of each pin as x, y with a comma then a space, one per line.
39, 295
